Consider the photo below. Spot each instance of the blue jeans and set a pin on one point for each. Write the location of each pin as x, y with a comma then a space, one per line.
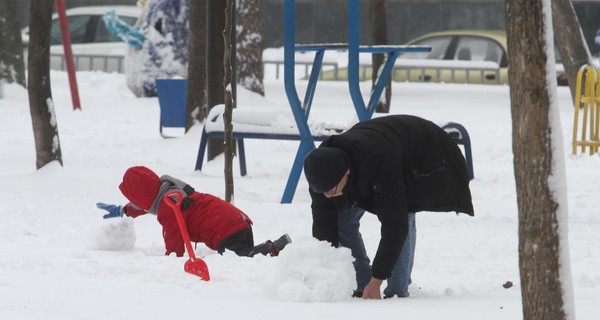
350, 237
398, 282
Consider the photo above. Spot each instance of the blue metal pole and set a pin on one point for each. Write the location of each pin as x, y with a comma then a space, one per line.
312, 82
353, 61
306, 140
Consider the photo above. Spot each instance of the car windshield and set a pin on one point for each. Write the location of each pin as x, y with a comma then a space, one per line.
478, 49
86, 29
78, 26
103, 35
438, 46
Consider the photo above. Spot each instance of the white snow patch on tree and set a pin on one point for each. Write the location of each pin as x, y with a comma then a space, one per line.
557, 181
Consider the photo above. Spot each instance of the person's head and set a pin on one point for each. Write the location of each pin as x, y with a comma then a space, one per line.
326, 170
140, 186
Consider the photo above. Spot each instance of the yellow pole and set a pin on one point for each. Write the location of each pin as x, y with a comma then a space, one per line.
587, 103
589, 97
576, 111
596, 119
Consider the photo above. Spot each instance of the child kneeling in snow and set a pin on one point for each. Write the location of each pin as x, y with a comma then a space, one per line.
209, 219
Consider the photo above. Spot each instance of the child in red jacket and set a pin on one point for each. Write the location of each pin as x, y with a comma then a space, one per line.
209, 219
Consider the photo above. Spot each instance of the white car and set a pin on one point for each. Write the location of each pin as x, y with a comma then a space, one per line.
93, 46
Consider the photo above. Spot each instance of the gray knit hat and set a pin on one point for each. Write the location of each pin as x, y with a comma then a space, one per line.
325, 167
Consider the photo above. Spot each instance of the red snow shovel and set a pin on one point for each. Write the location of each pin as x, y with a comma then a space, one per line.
195, 266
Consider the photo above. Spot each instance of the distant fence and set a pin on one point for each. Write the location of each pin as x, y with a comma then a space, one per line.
420, 70
404, 69
88, 62
447, 71
307, 67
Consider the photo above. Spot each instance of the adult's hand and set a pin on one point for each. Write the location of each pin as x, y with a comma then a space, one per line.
373, 289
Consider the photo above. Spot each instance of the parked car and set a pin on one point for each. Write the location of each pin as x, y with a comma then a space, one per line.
93, 46
456, 56
466, 45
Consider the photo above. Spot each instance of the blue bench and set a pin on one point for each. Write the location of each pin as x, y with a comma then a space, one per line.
276, 125
254, 124
460, 135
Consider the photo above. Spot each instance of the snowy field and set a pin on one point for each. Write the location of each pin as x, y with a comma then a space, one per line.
60, 260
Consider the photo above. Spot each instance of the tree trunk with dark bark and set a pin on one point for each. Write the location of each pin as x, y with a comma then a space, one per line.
215, 24
534, 161
196, 81
43, 117
379, 36
227, 115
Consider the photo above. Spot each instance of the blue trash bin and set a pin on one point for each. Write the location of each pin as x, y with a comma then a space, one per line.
171, 98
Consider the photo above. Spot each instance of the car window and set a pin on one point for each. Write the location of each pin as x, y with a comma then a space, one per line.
78, 27
438, 45
103, 35
478, 49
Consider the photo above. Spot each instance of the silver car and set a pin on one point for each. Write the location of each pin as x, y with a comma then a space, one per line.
93, 46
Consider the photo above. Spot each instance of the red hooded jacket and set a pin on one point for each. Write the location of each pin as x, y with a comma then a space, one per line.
208, 219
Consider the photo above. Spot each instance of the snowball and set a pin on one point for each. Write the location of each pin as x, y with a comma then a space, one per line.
312, 271
116, 234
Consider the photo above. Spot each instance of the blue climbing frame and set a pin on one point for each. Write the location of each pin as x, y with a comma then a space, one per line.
301, 110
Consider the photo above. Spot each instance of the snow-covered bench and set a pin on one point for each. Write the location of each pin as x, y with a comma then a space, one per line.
257, 124
279, 125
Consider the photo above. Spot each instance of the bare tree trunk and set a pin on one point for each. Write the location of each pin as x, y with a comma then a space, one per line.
43, 117
215, 25
196, 81
249, 46
227, 115
570, 41
214, 69
535, 164
379, 36
12, 67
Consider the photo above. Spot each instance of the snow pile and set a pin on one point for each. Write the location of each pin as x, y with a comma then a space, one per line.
112, 235
312, 271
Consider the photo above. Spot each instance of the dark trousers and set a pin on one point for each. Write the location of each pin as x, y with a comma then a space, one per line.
242, 243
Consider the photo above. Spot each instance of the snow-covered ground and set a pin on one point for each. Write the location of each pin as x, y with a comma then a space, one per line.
60, 260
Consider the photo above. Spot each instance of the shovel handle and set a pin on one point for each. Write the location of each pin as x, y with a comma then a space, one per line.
175, 205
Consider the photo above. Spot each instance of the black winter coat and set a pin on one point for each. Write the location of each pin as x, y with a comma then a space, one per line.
398, 164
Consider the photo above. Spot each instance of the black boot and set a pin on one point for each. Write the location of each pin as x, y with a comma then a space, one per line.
280, 243
263, 248
272, 248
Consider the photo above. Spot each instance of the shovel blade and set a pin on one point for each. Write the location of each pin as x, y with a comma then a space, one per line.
197, 267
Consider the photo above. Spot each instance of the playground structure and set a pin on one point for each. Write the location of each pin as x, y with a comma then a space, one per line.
259, 124
587, 110
301, 110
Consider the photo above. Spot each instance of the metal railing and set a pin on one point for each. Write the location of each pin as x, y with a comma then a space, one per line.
307, 68
426, 67
89, 62
428, 70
